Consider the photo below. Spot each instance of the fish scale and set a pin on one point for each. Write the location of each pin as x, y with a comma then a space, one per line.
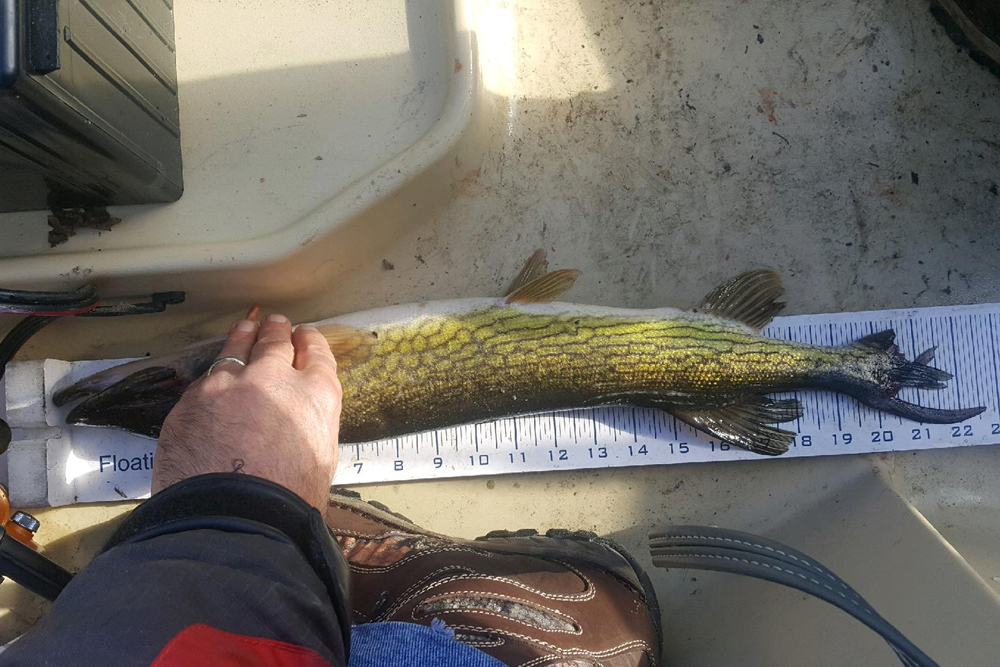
832, 424
419, 375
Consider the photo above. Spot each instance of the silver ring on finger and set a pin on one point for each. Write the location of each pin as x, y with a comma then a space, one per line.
222, 360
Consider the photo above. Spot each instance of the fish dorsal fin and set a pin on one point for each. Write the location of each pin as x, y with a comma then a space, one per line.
881, 340
747, 423
348, 344
548, 288
536, 267
750, 298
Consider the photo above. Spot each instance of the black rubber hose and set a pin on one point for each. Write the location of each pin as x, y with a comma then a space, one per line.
31, 569
668, 554
755, 546
32, 324
19, 335
707, 536
46, 303
157, 303
9, 346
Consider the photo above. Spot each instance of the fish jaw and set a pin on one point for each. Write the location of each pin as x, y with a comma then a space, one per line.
139, 403
136, 396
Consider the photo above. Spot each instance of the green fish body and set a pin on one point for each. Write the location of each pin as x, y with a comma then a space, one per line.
418, 367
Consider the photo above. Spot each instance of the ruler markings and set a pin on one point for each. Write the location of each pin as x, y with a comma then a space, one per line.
996, 366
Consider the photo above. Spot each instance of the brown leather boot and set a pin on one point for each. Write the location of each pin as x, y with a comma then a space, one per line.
569, 599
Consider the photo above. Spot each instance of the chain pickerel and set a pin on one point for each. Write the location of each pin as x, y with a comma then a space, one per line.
418, 367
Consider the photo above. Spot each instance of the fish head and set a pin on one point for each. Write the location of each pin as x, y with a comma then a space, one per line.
138, 403
138, 395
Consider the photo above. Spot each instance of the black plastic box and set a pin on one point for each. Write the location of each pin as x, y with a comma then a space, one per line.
88, 104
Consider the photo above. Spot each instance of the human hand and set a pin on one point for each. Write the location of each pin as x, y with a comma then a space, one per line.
277, 418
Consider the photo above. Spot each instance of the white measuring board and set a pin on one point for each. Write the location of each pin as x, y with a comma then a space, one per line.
51, 463
968, 340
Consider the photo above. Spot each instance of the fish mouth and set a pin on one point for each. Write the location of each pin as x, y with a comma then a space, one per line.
98, 383
139, 403
137, 395
71, 394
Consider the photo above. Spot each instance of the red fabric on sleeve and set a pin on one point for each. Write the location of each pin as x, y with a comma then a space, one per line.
204, 646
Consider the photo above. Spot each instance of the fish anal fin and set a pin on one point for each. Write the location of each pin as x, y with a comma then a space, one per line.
750, 298
536, 267
545, 289
747, 424
350, 345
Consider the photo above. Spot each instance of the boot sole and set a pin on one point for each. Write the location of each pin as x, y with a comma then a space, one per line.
580, 547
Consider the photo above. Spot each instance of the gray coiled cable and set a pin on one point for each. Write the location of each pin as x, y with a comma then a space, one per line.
723, 550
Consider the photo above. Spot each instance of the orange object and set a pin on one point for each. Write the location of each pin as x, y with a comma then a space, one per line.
4, 506
18, 532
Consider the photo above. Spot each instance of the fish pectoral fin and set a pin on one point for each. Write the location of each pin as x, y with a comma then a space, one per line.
536, 267
750, 298
545, 289
747, 424
348, 344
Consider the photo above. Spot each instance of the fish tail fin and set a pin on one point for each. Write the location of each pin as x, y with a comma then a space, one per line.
919, 375
884, 371
899, 371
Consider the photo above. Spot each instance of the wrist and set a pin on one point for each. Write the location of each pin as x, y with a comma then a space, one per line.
176, 460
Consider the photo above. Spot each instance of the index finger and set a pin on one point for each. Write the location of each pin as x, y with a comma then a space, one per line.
312, 351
